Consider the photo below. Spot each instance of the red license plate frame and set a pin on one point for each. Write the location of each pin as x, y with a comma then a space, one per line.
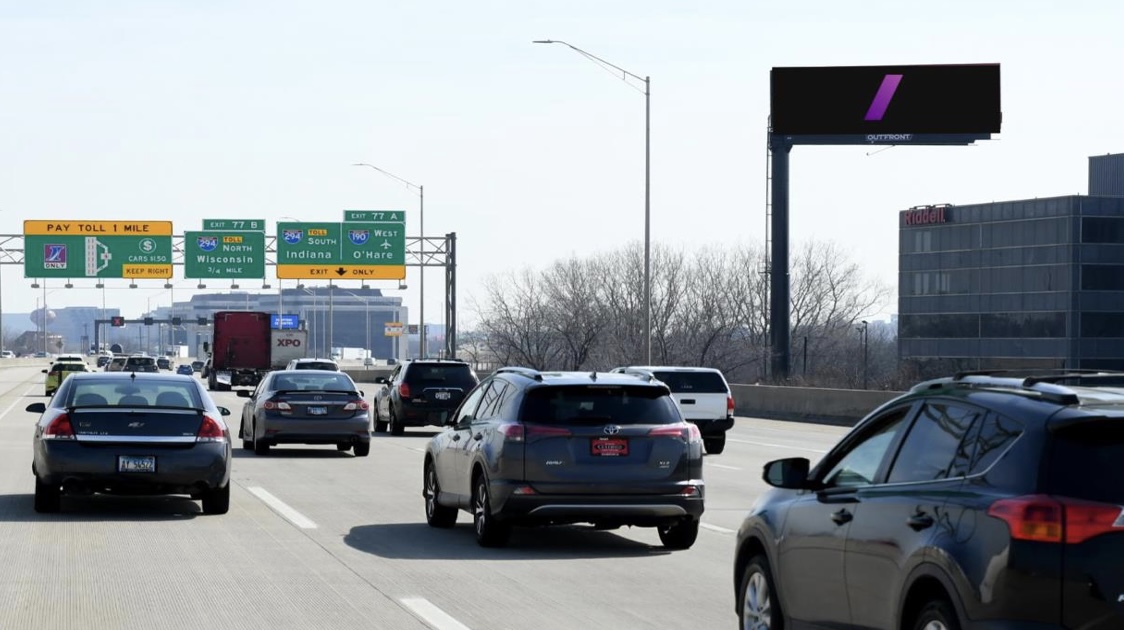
608, 447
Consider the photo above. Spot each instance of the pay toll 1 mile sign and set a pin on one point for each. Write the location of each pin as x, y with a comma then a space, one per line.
224, 254
341, 251
97, 249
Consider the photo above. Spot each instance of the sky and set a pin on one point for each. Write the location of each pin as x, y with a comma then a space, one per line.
185, 110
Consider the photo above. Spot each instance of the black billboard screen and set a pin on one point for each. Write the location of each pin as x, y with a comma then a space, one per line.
846, 100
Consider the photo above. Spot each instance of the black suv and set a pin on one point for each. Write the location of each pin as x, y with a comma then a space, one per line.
552, 448
983, 500
421, 392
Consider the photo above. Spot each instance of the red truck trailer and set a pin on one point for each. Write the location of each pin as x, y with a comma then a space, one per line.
240, 349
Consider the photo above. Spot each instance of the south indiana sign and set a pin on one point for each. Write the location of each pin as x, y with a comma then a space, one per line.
341, 251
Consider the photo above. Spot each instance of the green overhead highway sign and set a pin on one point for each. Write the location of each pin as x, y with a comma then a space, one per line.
239, 225
341, 251
224, 254
97, 249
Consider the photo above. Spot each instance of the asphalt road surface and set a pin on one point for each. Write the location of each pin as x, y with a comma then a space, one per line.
321, 539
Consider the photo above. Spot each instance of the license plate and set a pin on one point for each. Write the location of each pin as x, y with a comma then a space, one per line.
136, 463
609, 447
442, 395
317, 411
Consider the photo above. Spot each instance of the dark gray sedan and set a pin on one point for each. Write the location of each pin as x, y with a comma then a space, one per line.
133, 434
305, 407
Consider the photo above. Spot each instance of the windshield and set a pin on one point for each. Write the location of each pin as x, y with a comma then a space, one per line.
445, 375
128, 393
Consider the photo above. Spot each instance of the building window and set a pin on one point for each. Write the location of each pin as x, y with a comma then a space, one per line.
1102, 230
940, 326
1102, 277
1098, 325
923, 241
1022, 325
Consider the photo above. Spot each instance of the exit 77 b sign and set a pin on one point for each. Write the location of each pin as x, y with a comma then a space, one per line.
97, 249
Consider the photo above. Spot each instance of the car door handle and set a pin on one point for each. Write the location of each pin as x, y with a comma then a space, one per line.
841, 517
919, 521
456, 437
687, 401
478, 436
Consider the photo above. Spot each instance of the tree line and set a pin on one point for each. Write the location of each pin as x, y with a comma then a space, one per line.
709, 308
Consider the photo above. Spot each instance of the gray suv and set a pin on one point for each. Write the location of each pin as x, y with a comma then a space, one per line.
553, 448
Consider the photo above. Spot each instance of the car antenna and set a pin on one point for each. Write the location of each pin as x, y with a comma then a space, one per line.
133, 375
593, 375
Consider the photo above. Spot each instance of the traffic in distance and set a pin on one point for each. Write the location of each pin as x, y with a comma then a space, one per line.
980, 500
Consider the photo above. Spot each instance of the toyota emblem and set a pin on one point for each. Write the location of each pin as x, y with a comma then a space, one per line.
612, 429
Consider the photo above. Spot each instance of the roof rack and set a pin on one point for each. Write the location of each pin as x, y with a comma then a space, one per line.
1041, 385
522, 371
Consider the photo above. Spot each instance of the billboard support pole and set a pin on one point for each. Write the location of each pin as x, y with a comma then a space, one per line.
778, 273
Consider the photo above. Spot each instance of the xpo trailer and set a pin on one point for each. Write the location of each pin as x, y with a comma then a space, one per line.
287, 345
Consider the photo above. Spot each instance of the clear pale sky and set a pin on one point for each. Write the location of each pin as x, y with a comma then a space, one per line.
149, 109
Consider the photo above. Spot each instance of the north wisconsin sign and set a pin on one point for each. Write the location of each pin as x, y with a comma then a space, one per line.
341, 251
224, 254
97, 249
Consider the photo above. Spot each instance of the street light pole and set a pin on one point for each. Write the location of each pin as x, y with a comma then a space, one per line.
864, 334
647, 182
421, 250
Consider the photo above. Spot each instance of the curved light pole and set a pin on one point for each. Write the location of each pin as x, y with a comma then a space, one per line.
421, 251
647, 180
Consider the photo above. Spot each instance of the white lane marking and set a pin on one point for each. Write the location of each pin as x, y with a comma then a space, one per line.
715, 528
28, 394
795, 448
724, 466
414, 448
279, 506
10, 407
433, 616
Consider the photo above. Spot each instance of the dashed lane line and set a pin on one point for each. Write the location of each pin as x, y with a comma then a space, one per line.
716, 528
788, 446
283, 509
433, 616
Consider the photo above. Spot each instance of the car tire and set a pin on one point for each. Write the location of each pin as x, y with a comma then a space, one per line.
261, 447
757, 596
343, 447
362, 449
247, 445
380, 425
937, 614
681, 535
395, 427
48, 498
715, 445
217, 501
436, 515
490, 532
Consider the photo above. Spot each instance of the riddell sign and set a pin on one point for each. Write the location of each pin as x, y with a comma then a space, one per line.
925, 216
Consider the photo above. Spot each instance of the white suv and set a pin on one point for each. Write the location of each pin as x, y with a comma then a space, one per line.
313, 364
703, 397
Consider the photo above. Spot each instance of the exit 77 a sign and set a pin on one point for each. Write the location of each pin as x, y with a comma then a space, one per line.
97, 249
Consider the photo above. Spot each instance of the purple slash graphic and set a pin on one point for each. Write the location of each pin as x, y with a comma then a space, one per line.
883, 96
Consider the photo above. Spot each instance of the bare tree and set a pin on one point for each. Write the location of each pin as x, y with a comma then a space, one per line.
516, 321
573, 288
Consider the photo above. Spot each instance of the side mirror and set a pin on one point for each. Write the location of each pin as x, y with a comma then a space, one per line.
36, 407
244, 393
224, 411
381, 380
791, 473
362, 394
206, 346
44, 371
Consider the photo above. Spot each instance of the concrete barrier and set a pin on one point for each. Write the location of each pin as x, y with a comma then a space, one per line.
842, 407
368, 375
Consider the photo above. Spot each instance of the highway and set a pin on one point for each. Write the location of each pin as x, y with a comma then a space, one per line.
321, 539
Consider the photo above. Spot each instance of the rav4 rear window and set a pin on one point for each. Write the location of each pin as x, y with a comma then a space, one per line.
452, 375
599, 404
693, 382
1086, 463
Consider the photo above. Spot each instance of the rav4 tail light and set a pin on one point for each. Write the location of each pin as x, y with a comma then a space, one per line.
404, 390
211, 431
59, 429
685, 430
1043, 518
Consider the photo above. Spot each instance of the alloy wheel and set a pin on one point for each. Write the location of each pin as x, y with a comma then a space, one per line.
757, 609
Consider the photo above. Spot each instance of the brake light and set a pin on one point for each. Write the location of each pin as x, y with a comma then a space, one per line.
1043, 518
729, 404
512, 432
211, 431
404, 390
359, 404
542, 430
683, 430
59, 429
276, 405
